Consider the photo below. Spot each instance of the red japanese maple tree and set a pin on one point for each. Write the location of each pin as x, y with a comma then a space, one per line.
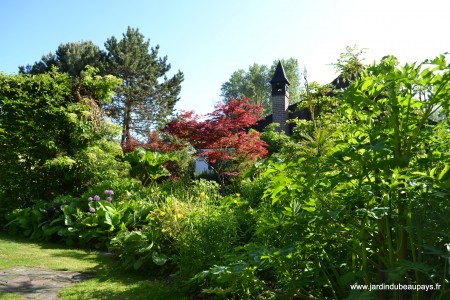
224, 134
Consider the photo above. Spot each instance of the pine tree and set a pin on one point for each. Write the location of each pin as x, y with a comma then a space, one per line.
71, 58
146, 96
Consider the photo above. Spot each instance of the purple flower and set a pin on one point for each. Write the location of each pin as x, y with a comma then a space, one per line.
91, 209
90, 199
96, 198
109, 192
109, 199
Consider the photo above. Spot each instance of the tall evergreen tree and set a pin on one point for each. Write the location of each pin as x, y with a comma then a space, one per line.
146, 96
71, 58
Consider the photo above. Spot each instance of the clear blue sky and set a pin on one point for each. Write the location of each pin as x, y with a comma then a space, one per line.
209, 39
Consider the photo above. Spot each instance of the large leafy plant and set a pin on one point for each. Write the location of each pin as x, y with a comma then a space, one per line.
398, 160
368, 204
148, 166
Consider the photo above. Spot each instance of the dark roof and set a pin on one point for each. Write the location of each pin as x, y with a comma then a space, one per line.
279, 75
293, 110
340, 83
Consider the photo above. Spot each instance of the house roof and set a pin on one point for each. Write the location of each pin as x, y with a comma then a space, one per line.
340, 83
279, 75
294, 111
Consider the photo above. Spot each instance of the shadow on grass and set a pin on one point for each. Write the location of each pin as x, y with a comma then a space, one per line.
110, 280
113, 282
135, 290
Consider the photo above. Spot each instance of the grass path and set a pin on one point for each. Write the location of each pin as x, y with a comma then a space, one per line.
110, 282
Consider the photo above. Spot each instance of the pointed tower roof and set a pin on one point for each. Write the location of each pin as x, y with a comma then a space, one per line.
279, 75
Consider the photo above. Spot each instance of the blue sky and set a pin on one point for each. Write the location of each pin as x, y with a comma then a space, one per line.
209, 40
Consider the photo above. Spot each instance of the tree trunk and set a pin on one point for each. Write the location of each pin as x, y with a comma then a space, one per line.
126, 123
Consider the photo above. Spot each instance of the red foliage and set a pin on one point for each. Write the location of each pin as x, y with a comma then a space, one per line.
130, 145
223, 133
154, 142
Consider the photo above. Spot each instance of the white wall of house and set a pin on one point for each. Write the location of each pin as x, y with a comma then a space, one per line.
202, 166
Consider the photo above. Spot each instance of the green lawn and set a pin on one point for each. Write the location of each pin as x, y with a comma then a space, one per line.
110, 282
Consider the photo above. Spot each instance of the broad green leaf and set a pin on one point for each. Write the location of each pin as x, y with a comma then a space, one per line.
159, 258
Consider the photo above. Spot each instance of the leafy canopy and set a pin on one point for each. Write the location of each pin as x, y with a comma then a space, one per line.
254, 84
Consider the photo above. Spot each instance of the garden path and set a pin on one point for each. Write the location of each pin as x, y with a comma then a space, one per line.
36, 283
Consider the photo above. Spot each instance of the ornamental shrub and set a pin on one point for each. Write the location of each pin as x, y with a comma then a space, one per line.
208, 235
53, 138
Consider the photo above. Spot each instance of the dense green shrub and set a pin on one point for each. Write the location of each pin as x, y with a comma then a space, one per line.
276, 140
192, 190
183, 167
27, 221
252, 189
235, 281
208, 235
186, 231
53, 138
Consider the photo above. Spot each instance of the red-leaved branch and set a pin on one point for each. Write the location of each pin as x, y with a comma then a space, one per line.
223, 134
